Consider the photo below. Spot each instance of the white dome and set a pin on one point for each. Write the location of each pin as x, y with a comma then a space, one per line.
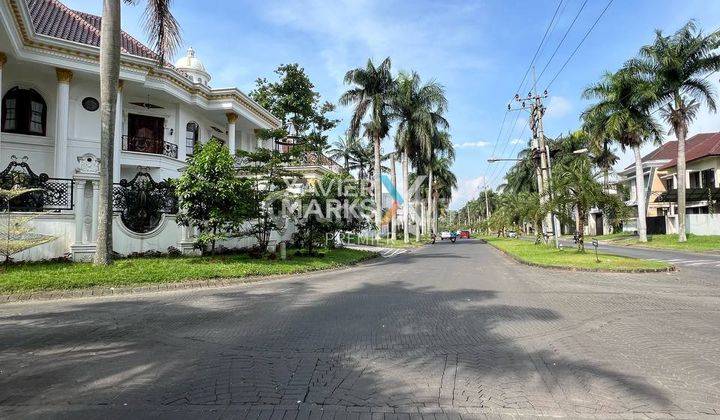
192, 65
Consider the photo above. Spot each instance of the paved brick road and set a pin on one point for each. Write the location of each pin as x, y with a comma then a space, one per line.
445, 331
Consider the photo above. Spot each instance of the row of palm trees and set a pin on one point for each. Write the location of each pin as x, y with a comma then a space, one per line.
416, 109
669, 76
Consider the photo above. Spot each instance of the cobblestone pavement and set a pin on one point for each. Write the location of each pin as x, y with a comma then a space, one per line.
445, 331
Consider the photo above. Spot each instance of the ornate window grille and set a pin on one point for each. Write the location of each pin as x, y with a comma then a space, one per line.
142, 201
54, 194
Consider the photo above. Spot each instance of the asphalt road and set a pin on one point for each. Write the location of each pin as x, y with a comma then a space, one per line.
440, 332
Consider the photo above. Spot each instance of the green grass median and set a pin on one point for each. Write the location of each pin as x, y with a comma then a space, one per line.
569, 258
46, 276
695, 243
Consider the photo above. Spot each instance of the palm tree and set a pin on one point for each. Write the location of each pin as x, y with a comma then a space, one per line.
440, 145
164, 34
576, 187
522, 176
344, 148
444, 182
600, 144
418, 110
625, 100
372, 88
680, 64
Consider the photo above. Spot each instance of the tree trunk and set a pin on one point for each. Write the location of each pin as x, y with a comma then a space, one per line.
406, 202
109, 78
429, 201
681, 133
417, 221
640, 195
393, 174
581, 231
378, 188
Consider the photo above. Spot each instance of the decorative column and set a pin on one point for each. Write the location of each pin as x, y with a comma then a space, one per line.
61, 121
79, 211
232, 119
117, 140
3, 60
95, 207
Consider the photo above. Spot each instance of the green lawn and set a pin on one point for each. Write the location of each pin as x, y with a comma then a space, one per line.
694, 243
548, 256
142, 271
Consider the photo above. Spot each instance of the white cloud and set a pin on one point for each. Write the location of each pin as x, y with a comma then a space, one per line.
468, 189
469, 144
558, 107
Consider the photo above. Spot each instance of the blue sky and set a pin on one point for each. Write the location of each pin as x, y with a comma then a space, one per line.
479, 50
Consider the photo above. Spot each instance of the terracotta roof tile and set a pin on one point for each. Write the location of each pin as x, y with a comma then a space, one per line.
52, 18
665, 151
697, 147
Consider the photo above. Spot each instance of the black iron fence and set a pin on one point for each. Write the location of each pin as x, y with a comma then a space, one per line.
142, 201
50, 194
149, 145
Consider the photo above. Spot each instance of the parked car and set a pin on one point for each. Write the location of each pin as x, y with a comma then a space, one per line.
464, 234
512, 234
446, 235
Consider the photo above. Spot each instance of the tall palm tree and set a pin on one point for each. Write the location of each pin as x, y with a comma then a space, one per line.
344, 148
164, 33
680, 64
418, 110
372, 88
600, 145
440, 145
444, 181
626, 100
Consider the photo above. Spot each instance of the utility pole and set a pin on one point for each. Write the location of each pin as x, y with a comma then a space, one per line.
534, 103
487, 208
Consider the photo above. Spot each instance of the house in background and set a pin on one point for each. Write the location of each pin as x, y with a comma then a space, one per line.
49, 85
654, 187
702, 156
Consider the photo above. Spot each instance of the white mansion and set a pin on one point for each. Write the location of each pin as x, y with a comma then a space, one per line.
49, 83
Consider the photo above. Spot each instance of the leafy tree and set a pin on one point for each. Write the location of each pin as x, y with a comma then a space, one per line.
16, 234
326, 210
211, 196
624, 103
679, 65
164, 33
372, 88
267, 173
293, 99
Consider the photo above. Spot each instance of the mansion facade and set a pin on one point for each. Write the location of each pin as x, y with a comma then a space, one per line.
50, 90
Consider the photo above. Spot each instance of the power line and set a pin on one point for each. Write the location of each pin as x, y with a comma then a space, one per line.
522, 82
579, 44
563, 39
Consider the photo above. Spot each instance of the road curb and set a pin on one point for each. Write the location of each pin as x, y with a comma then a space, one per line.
167, 287
670, 269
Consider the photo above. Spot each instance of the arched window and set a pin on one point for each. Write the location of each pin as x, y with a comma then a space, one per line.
191, 137
24, 112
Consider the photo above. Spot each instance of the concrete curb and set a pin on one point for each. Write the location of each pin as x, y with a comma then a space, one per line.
590, 270
166, 287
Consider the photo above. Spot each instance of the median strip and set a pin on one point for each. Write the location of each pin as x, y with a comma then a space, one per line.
570, 259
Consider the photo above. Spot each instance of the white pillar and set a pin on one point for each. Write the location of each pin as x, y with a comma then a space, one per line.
117, 141
3, 60
79, 211
61, 121
232, 119
95, 207
180, 134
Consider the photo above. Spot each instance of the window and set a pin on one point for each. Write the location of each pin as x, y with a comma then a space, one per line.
145, 134
191, 137
708, 178
24, 112
694, 179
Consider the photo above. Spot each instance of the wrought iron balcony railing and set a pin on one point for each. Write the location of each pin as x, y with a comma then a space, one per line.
149, 145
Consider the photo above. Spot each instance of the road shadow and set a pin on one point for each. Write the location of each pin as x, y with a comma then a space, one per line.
375, 345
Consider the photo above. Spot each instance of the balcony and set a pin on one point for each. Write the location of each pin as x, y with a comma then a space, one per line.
149, 145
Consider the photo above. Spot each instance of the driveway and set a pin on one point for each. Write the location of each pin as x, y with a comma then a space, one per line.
440, 332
